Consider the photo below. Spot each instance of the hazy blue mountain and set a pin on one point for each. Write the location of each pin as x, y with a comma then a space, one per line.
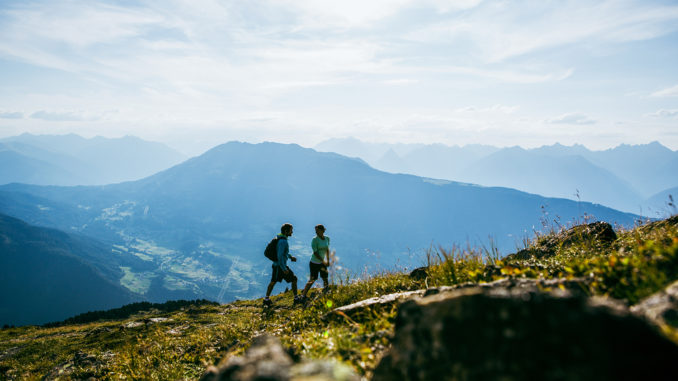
558, 149
444, 162
649, 167
203, 224
370, 152
17, 167
74, 160
554, 176
621, 177
391, 162
428, 160
47, 275
659, 205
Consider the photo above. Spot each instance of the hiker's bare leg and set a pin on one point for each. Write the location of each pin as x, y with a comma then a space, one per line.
269, 289
294, 287
308, 286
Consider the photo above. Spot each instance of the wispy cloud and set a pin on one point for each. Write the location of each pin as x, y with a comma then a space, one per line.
498, 31
668, 92
11, 115
401, 81
329, 14
62, 116
510, 76
664, 113
572, 118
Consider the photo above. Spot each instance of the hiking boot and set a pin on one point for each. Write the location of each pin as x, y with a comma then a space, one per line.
298, 299
267, 302
326, 289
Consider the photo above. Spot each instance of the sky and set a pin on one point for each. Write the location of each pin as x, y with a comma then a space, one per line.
194, 74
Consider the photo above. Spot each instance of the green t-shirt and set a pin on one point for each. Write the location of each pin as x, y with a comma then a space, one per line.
320, 249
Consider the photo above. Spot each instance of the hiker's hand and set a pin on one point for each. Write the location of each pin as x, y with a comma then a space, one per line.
327, 264
294, 259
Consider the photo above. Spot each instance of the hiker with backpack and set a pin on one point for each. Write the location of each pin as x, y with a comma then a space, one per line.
319, 260
278, 250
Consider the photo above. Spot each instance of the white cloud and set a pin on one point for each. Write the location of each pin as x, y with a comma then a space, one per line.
401, 81
668, 92
498, 108
78, 24
510, 76
663, 113
498, 31
62, 116
11, 115
323, 14
572, 118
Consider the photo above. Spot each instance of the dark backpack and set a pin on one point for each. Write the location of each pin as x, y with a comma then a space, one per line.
271, 251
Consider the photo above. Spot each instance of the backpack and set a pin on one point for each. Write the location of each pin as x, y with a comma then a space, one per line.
271, 251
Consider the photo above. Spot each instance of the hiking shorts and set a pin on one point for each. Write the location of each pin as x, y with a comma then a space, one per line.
318, 268
279, 275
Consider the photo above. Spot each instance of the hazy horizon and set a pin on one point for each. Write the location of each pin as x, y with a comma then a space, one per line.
207, 147
453, 72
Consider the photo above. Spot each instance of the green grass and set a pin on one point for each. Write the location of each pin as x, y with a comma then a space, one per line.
640, 262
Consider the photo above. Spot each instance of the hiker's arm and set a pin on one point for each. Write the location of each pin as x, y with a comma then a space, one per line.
327, 254
282, 254
314, 247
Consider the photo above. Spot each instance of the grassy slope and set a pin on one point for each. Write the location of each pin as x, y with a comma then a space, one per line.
640, 262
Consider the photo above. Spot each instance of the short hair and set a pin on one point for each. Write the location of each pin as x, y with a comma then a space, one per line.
285, 228
321, 227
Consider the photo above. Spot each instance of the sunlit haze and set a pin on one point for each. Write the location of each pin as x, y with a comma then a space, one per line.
193, 74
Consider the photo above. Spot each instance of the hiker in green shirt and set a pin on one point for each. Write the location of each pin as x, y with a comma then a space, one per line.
319, 260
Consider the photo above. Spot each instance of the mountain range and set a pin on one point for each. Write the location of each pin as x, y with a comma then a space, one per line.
198, 229
74, 160
625, 177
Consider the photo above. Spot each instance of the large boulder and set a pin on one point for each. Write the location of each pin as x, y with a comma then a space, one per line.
523, 334
266, 359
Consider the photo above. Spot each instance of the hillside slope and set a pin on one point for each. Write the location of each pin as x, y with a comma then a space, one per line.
47, 275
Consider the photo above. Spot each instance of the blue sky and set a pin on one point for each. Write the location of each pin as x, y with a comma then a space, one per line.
197, 73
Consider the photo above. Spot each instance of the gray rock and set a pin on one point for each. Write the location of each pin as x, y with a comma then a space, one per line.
661, 308
420, 273
523, 334
266, 359
377, 302
322, 371
575, 285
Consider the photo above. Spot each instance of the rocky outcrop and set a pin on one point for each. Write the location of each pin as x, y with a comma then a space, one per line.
420, 273
661, 308
87, 366
523, 333
596, 233
575, 285
266, 359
